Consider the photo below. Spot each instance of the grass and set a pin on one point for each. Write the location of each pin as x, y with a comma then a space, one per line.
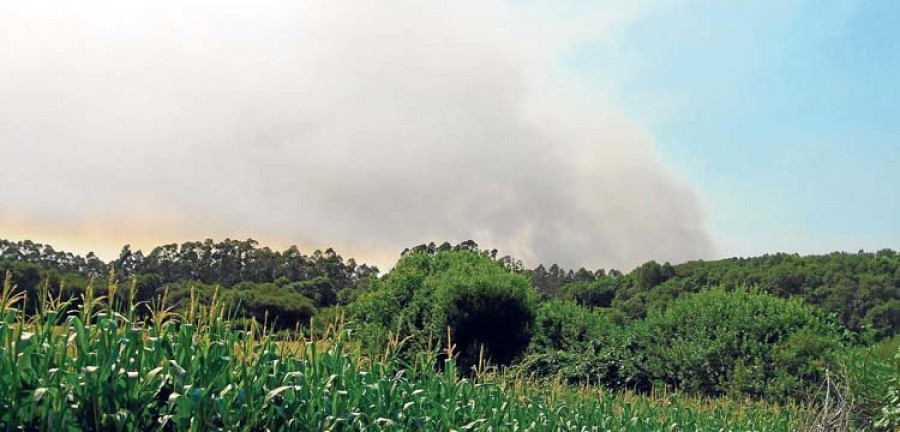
101, 367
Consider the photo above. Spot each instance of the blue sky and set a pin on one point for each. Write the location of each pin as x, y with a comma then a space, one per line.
783, 115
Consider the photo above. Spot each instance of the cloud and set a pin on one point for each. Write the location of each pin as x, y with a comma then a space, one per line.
369, 127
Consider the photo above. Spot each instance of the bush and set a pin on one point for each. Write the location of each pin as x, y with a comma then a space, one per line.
867, 373
885, 318
147, 287
483, 304
566, 326
320, 290
743, 342
890, 412
578, 345
280, 306
180, 294
598, 293
33, 280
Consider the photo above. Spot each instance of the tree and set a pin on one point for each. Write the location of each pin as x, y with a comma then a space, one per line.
147, 287
885, 318
742, 342
320, 290
126, 265
598, 293
484, 305
280, 306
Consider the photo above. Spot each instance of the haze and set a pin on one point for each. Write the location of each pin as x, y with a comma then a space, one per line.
366, 126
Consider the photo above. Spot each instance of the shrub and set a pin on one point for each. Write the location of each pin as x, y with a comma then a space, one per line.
890, 412
867, 373
147, 287
715, 343
885, 318
568, 327
320, 290
280, 306
180, 294
484, 305
598, 293
577, 345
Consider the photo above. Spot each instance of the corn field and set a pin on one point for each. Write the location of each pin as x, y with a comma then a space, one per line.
99, 365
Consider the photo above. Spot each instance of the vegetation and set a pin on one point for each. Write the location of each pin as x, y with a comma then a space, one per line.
890, 414
488, 309
102, 369
712, 343
861, 290
716, 343
240, 335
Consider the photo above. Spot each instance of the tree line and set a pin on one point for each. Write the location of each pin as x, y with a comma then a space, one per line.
261, 277
862, 290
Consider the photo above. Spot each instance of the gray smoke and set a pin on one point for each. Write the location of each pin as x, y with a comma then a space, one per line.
369, 126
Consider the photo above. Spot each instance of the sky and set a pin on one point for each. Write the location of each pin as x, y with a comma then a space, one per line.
585, 133
782, 114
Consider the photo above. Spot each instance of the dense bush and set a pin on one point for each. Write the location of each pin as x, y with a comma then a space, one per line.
566, 326
323, 276
578, 345
180, 294
147, 287
483, 304
866, 372
712, 343
885, 318
858, 288
320, 290
598, 293
849, 285
890, 412
34, 281
716, 342
280, 306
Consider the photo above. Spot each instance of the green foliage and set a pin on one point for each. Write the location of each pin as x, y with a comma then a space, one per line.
743, 342
658, 325
45, 256
34, 280
578, 345
858, 288
854, 287
652, 274
885, 317
483, 304
229, 262
279, 306
867, 373
180, 294
148, 287
568, 327
712, 343
890, 412
320, 290
101, 369
597, 293
320, 276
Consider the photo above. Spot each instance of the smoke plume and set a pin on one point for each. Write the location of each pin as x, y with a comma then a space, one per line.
368, 126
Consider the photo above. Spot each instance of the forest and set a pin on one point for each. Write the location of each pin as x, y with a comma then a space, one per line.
773, 329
